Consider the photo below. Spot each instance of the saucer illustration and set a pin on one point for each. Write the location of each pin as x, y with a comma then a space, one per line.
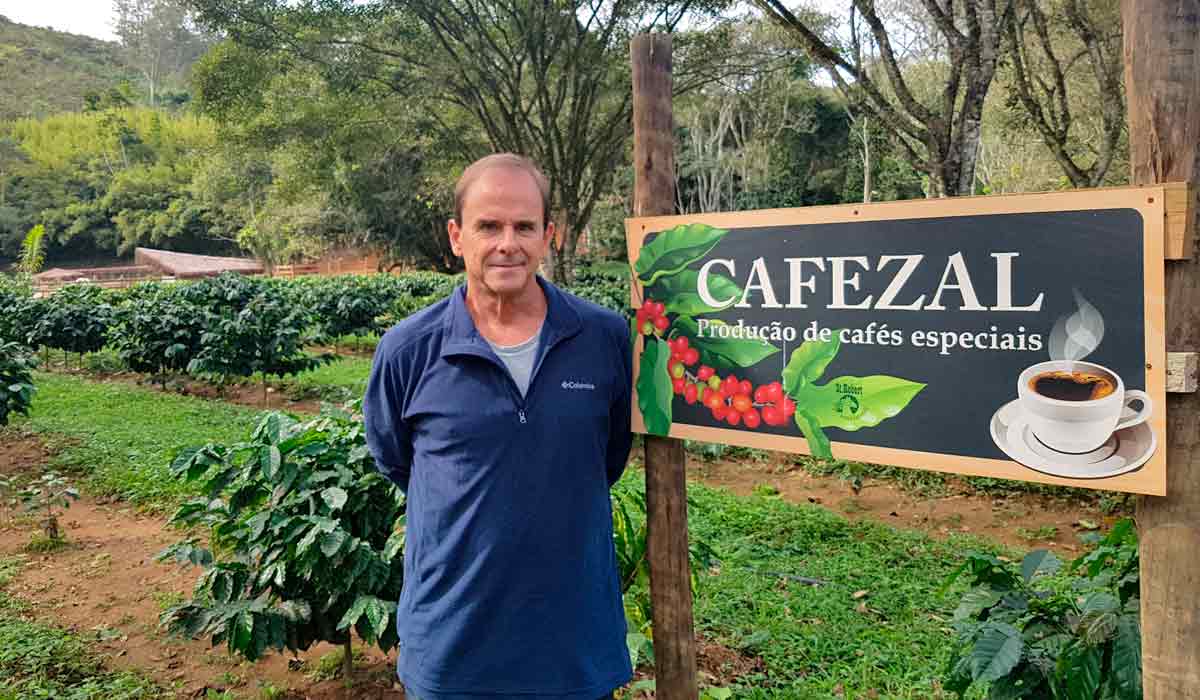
1127, 449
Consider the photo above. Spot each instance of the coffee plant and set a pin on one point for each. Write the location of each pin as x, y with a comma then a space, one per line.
1039, 630
266, 336
347, 305
74, 319
16, 380
158, 333
303, 545
45, 497
607, 289
18, 312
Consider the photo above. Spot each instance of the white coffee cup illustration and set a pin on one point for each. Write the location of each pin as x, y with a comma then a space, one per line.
1075, 407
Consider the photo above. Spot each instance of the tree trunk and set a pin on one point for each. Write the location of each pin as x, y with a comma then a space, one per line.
348, 659
1162, 76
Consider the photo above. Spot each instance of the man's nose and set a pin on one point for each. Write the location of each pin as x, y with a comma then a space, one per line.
508, 239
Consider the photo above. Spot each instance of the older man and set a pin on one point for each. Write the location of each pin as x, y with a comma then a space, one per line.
503, 413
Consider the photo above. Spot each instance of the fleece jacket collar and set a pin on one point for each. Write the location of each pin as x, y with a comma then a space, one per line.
463, 338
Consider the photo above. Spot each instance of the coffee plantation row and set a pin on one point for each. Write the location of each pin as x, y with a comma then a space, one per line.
232, 325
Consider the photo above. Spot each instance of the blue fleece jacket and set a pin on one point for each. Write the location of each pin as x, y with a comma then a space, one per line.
510, 580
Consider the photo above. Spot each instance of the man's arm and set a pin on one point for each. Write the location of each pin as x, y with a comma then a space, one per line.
620, 437
388, 436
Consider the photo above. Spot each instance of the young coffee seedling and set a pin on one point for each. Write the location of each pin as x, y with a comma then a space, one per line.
45, 496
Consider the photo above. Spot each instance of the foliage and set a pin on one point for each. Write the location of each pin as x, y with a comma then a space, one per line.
109, 180
16, 380
304, 545
74, 318
933, 108
633, 562
37, 661
157, 40
348, 305
18, 311
44, 496
476, 85
1079, 46
156, 331
1033, 631
608, 289
266, 336
33, 254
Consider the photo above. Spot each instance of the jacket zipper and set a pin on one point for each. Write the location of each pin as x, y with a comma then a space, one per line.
512, 383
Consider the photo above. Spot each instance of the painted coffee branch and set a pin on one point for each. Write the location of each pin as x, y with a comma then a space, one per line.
1018, 337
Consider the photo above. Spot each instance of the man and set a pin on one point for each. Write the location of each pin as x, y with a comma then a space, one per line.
503, 413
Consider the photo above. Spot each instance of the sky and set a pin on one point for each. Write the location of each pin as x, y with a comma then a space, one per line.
90, 17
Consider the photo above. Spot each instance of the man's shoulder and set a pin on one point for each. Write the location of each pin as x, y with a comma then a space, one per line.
417, 329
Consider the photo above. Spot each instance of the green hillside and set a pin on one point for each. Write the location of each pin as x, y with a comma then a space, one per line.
43, 71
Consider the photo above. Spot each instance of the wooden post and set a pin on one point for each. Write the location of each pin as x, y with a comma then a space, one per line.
666, 495
1162, 79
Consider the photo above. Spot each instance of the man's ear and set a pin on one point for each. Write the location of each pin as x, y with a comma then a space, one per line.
549, 238
455, 232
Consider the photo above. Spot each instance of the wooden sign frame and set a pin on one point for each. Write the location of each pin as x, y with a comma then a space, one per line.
1165, 211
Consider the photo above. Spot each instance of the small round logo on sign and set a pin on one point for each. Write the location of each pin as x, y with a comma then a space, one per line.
847, 406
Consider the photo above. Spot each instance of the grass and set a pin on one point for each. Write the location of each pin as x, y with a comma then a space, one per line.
341, 380
123, 437
38, 661
817, 642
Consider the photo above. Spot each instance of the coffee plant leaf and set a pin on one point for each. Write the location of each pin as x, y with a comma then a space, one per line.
674, 249
996, 652
1039, 561
724, 353
654, 386
808, 363
679, 294
818, 441
851, 403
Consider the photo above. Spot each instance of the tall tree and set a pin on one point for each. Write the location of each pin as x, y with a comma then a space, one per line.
158, 40
548, 80
1060, 48
940, 133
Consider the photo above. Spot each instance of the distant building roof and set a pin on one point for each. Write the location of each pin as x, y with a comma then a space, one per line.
186, 265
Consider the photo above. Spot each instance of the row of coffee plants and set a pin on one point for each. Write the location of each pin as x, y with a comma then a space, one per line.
232, 325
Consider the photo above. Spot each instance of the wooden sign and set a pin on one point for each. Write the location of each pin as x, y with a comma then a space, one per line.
1018, 337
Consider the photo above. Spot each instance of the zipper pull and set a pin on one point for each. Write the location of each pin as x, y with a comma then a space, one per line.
521, 415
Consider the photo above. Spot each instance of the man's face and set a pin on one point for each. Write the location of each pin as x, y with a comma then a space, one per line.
501, 238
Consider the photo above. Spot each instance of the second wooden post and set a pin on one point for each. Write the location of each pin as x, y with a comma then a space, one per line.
666, 486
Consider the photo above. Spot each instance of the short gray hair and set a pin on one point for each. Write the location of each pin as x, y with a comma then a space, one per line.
501, 160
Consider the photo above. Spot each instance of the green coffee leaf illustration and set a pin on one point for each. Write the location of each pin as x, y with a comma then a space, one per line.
724, 353
678, 293
808, 363
851, 403
675, 249
654, 387
818, 441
